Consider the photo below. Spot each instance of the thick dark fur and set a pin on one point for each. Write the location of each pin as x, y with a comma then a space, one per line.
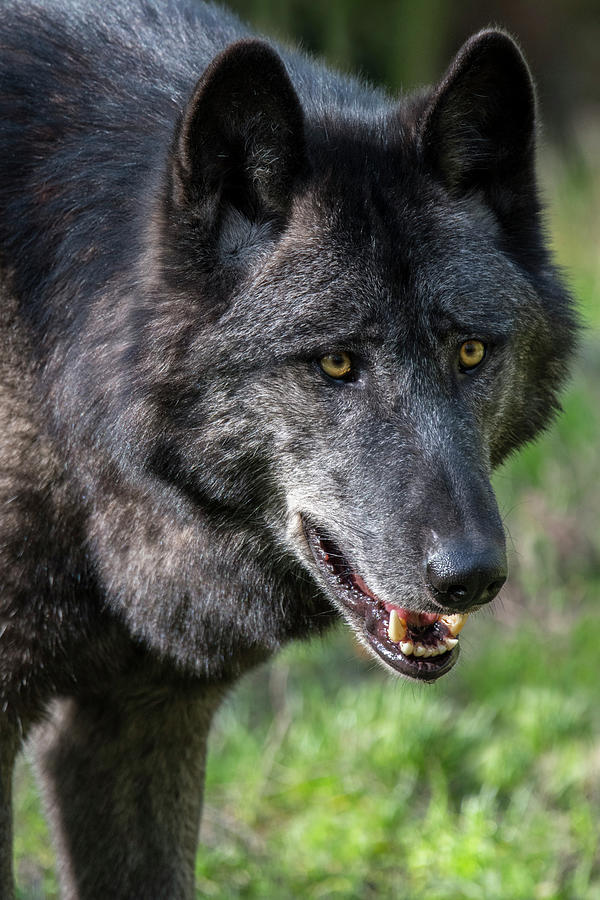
182, 236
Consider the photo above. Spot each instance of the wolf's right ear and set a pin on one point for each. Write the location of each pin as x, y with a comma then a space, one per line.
241, 138
478, 128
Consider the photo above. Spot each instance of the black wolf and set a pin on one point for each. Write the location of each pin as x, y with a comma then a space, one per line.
265, 333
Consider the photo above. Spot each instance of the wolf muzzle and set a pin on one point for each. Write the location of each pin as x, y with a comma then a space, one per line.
461, 574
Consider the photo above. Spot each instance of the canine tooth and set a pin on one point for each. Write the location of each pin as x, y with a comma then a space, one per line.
396, 627
407, 647
451, 643
419, 650
455, 622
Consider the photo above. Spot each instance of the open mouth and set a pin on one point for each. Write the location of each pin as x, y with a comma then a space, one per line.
423, 646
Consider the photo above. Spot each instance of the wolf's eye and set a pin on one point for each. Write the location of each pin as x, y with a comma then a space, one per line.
337, 365
471, 353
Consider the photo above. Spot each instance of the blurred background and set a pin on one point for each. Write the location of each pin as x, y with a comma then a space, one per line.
402, 44
328, 778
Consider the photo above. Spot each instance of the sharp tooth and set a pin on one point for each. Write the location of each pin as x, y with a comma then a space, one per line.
407, 648
442, 646
396, 627
451, 643
419, 650
455, 622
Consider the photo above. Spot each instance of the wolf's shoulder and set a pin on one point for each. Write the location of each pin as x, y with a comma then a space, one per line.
167, 44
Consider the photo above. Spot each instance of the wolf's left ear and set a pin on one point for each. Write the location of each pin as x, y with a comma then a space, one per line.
241, 138
478, 128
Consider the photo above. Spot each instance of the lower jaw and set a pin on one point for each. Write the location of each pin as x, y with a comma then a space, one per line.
372, 625
418, 669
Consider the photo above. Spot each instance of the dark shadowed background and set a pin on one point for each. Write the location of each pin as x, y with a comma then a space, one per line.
402, 43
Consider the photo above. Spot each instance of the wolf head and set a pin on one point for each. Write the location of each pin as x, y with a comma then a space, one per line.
356, 319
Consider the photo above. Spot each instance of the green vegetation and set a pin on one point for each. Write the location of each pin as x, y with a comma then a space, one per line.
349, 784
358, 786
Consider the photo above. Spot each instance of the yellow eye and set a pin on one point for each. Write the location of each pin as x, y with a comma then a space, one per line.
470, 354
337, 365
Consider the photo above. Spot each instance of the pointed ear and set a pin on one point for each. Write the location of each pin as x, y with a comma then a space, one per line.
241, 138
478, 129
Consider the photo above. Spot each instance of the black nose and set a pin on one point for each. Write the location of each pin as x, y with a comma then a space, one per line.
462, 575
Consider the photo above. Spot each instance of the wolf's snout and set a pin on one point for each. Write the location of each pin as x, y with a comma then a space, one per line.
461, 575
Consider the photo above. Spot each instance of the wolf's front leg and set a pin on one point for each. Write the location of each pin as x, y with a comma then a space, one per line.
122, 774
9, 740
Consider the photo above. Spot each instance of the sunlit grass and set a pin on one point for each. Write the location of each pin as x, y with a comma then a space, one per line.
571, 189
485, 785
329, 779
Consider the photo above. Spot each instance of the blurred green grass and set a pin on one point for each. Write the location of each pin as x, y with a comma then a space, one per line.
330, 779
